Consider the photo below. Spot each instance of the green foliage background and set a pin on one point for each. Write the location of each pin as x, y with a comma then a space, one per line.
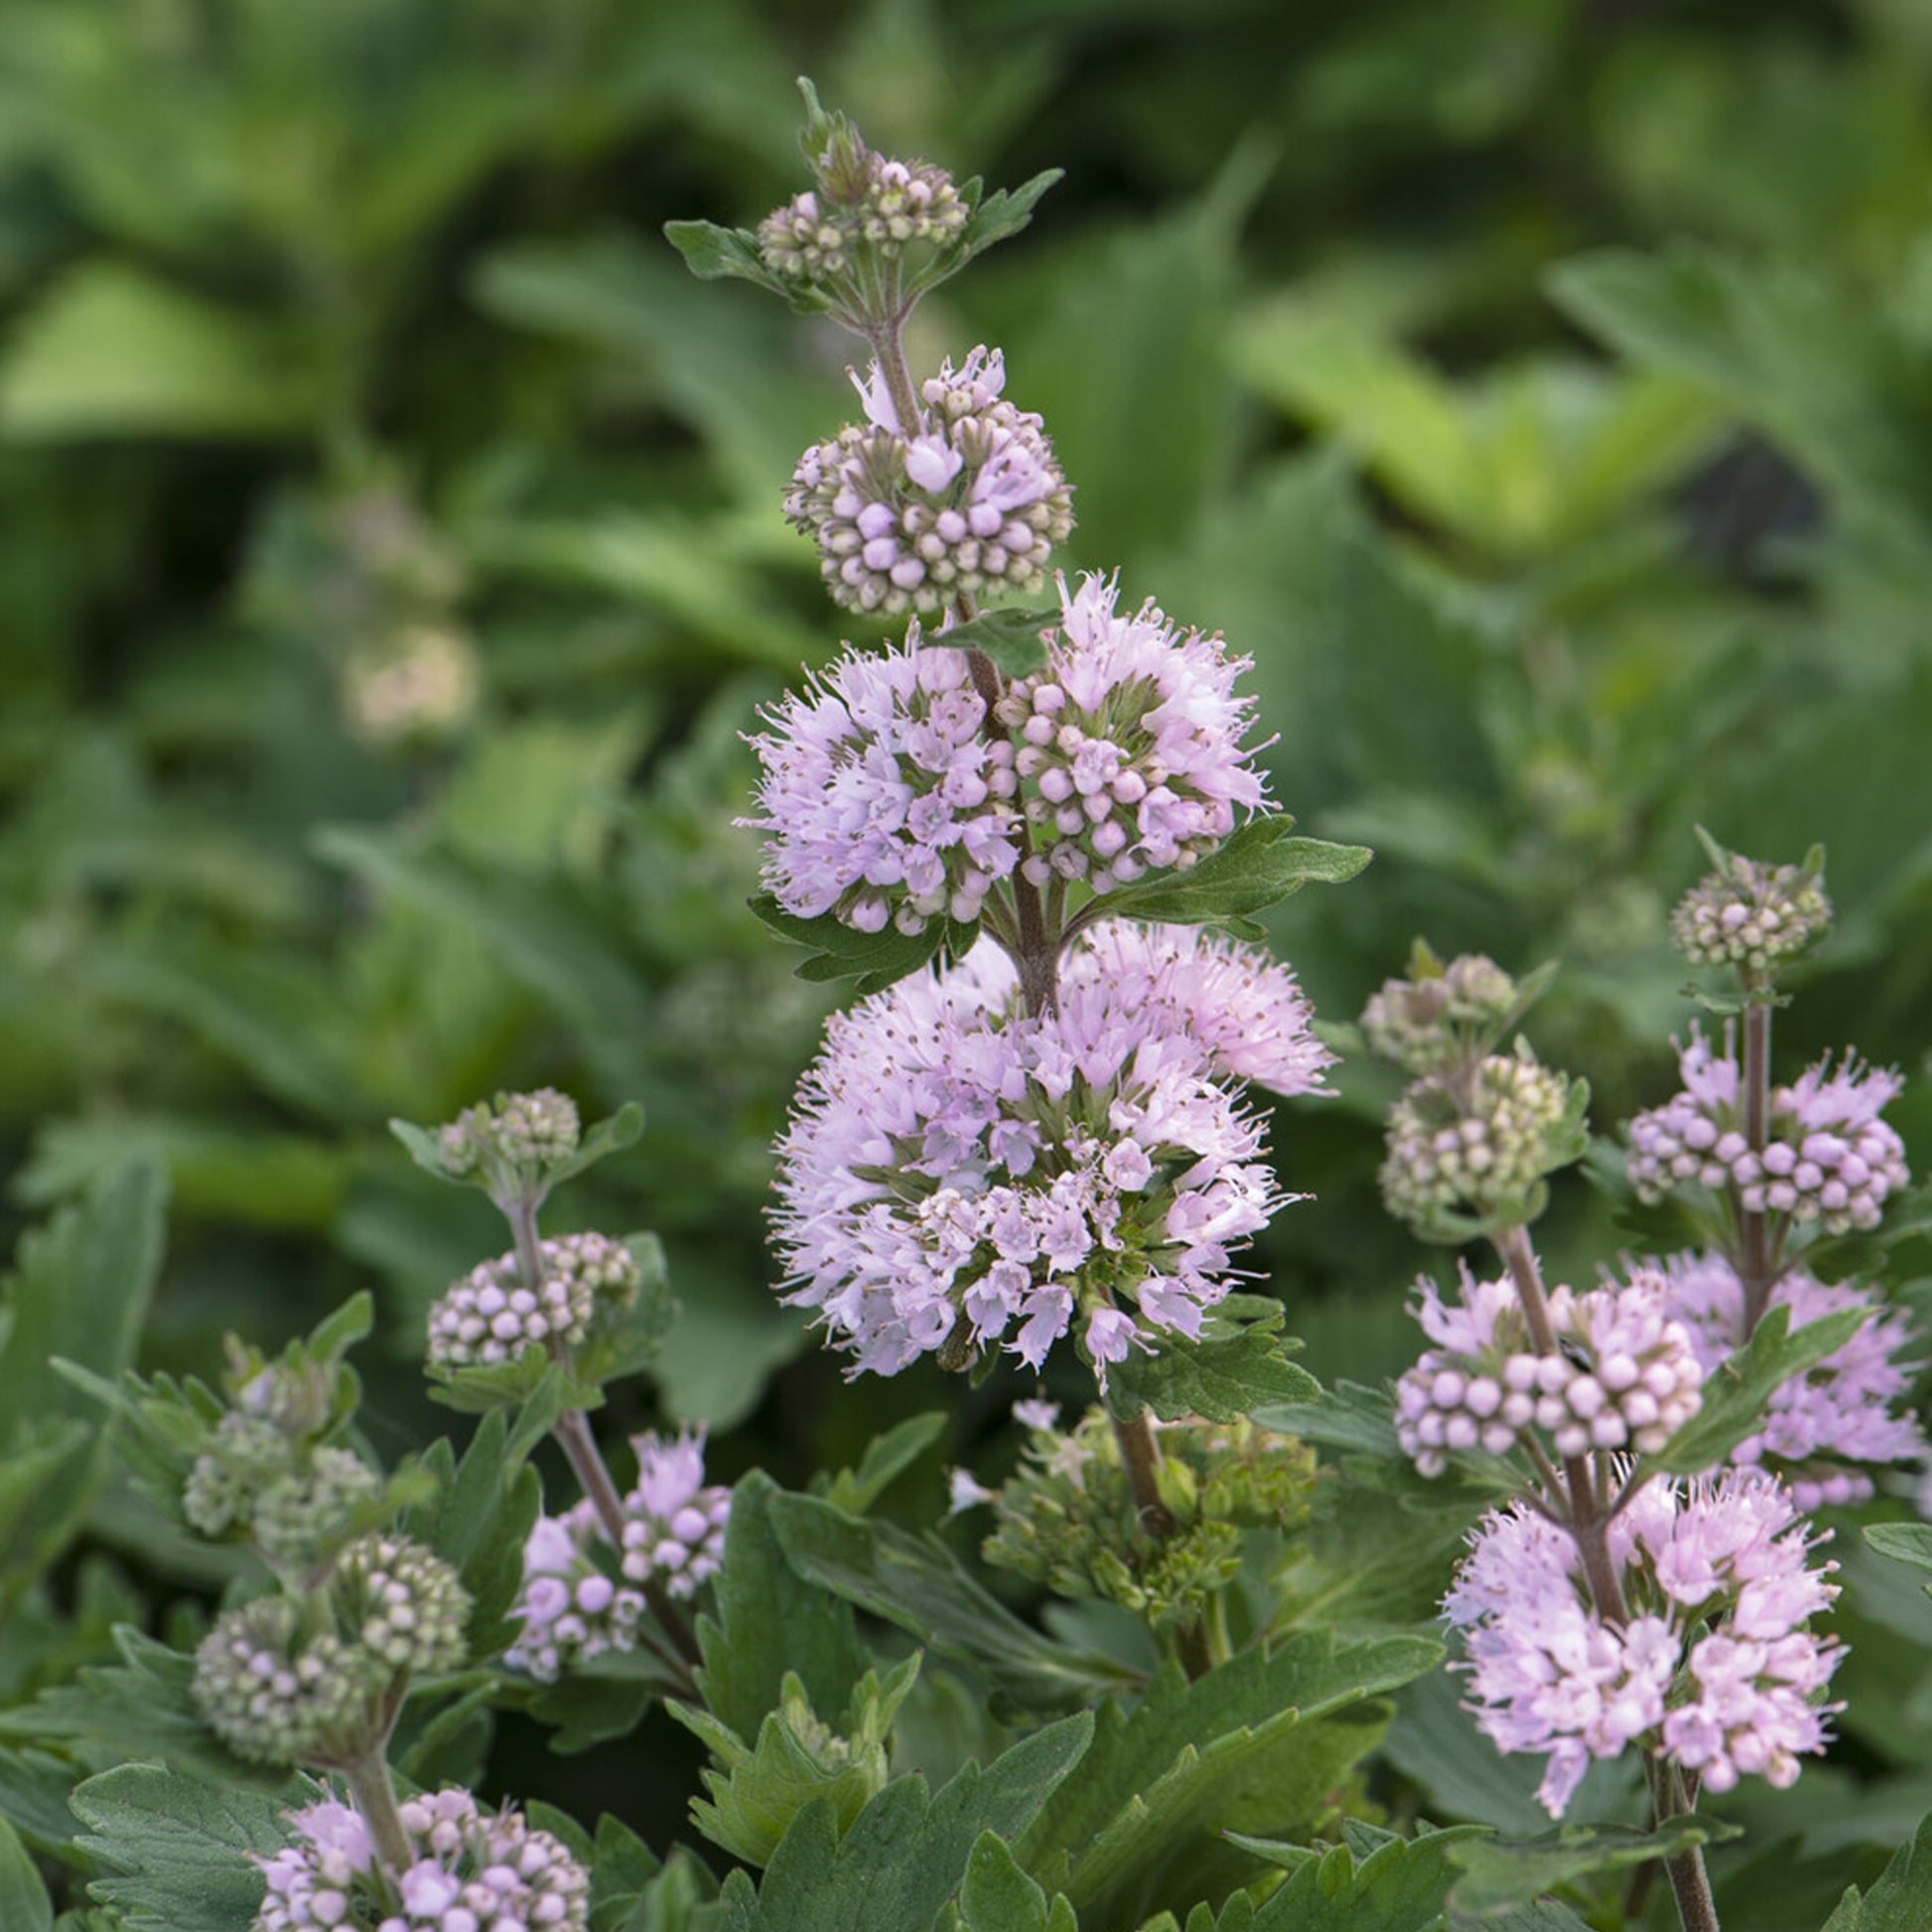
1540, 392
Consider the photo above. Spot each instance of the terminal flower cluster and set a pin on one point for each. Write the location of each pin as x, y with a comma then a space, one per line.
471, 1873
1716, 1666
1474, 1145
874, 201
1129, 743
968, 499
1750, 915
1829, 1158
1624, 1376
489, 1315
960, 1176
1442, 1018
1827, 1419
518, 1129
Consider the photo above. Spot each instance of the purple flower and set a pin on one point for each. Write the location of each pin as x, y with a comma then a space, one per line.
1839, 1412
882, 798
958, 1176
1829, 1158
1716, 1666
1128, 743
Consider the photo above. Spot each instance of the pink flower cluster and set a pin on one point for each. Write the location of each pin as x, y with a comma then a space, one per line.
582, 1598
471, 1873
1130, 744
1829, 1158
1626, 1376
906, 517
958, 1176
1716, 1666
490, 1316
890, 203
1829, 1418
882, 798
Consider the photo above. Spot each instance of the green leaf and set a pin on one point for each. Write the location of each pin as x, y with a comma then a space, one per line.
1347, 1416
997, 1895
918, 1583
1231, 1370
1374, 1882
622, 1130
887, 1457
1734, 1397
876, 959
1901, 1901
24, 1904
1497, 1873
1258, 1743
772, 1616
1258, 865
1904, 1543
200, 370
907, 1853
176, 1851
1015, 640
1002, 213
591, 1707
714, 255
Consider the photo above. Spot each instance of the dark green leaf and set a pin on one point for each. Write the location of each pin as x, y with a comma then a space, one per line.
1347, 1416
622, 1130
1013, 638
1002, 213
997, 1895
1902, 1900
176, 1851
1734, 1397
1497, 1873
1374, 1882
918, 1583
1257, 866
875, 959
713, 253
24, 1904
887, 1457
1226, 1374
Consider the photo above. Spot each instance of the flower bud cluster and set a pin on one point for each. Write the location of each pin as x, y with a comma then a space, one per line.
1750, 915
520, 1131
958, 1175
1822, 1423
581, 1597
1624, 1376
1128, 744
882, 798
489, 1315
1717, 1667
470, 1873
299, 1503
1828, 1158
967, 501
301, 1519
1478, 1145
279, 1690
1067, 1517
878, 205
1442, 1018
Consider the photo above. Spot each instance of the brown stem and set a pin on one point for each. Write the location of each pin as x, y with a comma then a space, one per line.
1757, 1271
1143, 1461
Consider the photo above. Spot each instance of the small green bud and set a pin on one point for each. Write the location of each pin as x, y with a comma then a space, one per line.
303, 1518
277, 1701
1442, 1016
402, 1603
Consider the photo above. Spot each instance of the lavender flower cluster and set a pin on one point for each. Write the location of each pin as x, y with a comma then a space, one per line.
489, 1315
884, 204
1624, 1374
968, 499
471, 1873
959, 1175
581, 1597
1479, 1143
1828, 1158
886, 796
1716, 1666
1822, 1422
1750, 915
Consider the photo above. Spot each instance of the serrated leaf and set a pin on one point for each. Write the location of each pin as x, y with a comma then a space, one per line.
997, 1895
1734, 1397
918, 1583
177, 1851
907, 1853
1901, 1901
1348, 1415
1374, 1882
714, 255
23, 1902
1258, 865
622, 1130
1221, 1376
1015, 640
1904, 1543
1497, 1873
887, 1457
772, 1617
1002, 213
1258, 1743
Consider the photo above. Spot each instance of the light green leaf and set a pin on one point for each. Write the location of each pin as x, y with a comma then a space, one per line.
1231, 1370
1902, 1900
24, 1904
1257, 866
1497, 1873
112, 351
887, 1457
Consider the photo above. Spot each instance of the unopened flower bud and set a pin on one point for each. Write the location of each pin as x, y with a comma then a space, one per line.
1475, 1151
1749, 915
301, 1519
280, 1701
1440, 1017
402, 1603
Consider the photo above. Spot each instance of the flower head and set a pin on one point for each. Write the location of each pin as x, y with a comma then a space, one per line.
1441, 1015
909, 516
489, 1315
674, 1521
1128, 743
471, 1873
959, 1176
864, 201
1829, 1158
1716, 1666
277, 1700
1750, 915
